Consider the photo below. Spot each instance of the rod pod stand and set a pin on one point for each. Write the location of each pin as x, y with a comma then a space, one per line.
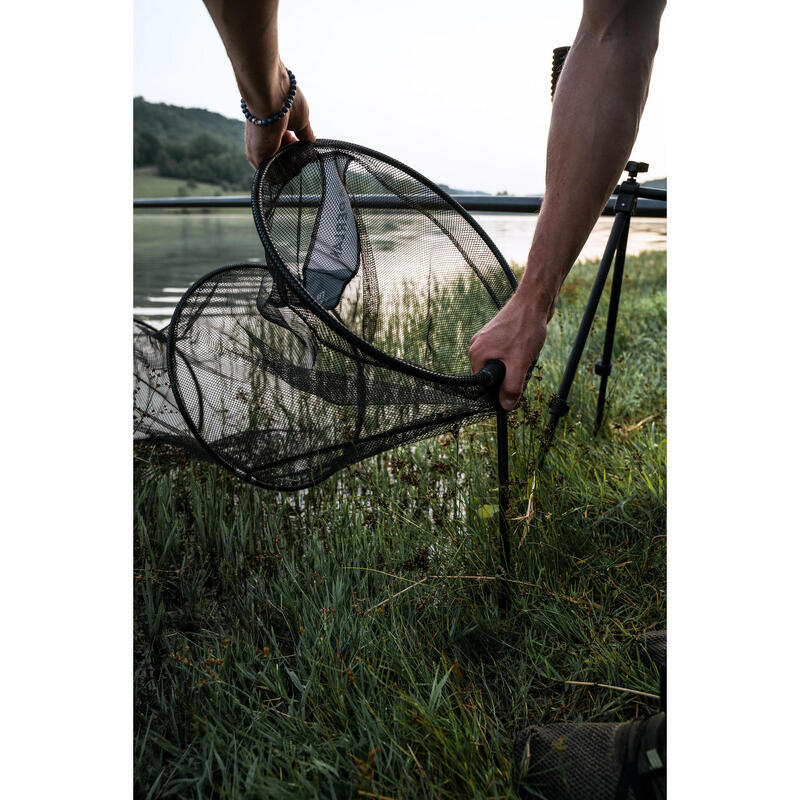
626, 192
497, 371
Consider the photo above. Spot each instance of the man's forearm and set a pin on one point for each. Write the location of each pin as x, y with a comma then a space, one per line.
596, 111
249, 31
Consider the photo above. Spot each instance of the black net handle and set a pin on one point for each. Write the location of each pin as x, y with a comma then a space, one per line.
492, 374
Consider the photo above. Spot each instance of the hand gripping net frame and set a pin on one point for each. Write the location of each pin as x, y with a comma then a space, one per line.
353, 337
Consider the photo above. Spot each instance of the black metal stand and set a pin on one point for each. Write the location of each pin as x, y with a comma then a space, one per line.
627, 193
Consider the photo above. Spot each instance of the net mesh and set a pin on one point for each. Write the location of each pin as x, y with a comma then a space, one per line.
586, 761
353, 337
156, 416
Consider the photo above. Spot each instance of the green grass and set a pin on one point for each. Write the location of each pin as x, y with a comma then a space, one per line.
346, 641
148, 184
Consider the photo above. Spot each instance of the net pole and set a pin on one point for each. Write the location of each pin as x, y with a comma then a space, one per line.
494, 372
503, 500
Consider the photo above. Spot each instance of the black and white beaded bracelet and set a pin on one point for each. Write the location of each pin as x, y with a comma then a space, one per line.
278, 114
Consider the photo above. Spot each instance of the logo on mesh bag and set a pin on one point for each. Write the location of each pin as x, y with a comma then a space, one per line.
333, 260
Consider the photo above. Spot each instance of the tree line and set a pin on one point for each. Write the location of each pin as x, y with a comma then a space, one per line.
193, 144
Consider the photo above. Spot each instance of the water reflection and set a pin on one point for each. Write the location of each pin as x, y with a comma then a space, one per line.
172, 250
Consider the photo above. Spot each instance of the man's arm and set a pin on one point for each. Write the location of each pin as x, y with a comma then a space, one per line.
249, 31
596, 111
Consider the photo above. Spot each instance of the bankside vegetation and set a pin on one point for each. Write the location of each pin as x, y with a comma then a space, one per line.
347, 642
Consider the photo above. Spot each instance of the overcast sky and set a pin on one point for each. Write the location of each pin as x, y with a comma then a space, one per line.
457, 89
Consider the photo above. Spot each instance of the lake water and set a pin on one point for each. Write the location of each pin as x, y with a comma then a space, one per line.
172, 250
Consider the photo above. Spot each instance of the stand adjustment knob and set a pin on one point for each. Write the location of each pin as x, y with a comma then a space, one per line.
633, 168
602, 369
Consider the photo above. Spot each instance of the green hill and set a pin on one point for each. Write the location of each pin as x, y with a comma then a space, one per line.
194, 151
184, 124
179, 150
189, 143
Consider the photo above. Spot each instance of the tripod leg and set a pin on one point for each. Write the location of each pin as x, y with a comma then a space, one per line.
503, 498
603, 367
559, 405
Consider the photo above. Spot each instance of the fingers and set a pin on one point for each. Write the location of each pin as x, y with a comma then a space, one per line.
511, 390
261, 144
513, 383
476, 359
306, 134
515, 336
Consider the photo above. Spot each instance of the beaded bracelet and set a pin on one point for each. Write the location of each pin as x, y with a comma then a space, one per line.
278, 114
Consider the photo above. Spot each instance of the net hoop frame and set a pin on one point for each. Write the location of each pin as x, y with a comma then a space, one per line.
173, 353
329, 319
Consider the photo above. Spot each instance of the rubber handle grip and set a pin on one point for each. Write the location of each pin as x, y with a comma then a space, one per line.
495, 371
